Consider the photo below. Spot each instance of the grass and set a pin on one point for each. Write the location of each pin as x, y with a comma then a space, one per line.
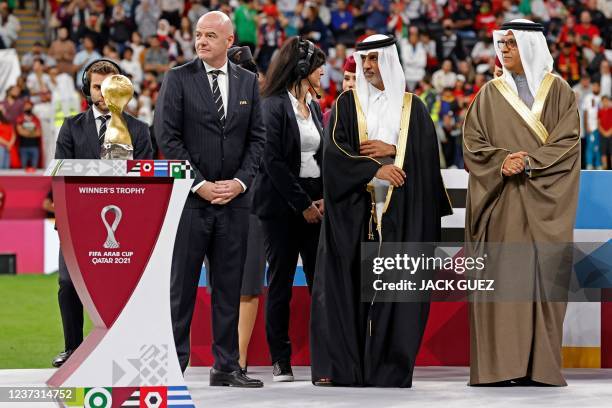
30, 324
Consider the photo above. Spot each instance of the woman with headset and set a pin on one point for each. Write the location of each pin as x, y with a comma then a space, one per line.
289, 189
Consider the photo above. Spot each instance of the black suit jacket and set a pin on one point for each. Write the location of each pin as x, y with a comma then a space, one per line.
187, 127
277, 190
78, 137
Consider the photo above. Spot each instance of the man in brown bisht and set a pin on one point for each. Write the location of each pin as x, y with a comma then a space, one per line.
522, 149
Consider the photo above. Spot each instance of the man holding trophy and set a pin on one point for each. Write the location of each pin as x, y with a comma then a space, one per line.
103, 131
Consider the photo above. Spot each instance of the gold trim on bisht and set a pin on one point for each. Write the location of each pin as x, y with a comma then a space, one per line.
530, 116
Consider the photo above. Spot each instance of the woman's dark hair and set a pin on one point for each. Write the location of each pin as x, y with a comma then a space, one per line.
283, 68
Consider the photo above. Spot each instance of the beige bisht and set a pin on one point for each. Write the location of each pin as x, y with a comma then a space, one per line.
520, 338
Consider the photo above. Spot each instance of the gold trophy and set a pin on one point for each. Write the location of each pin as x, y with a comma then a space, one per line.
117, 91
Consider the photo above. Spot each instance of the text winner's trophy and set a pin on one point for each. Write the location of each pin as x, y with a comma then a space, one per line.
117, 91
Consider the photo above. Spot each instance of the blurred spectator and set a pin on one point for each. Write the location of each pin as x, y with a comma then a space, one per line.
313, 27
450, 46
63, 51
556, 10
595, 55
464, 18
7, 141
245, 21
430, 47
156, 58
414, 58
485, 19
400, 16
9, 26
271, 37
582, 89
38, 81
85, 17
110, 52
120, 27
483, 52
196, 11
43, 110
590, 107
511, 10
65, 101
87, 54
29, 132
37, 52
466, 69
568, 63
147, 15
377, 12
605, 131
342, 24
172, 10
585, 28
137, 46
184, 39
605, 79
131, 67
444, 77
12, 105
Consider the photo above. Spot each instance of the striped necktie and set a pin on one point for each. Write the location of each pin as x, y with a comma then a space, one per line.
103, 120
217, 96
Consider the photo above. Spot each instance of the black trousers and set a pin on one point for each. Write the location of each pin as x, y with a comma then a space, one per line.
71, 308
286, 237
219, 232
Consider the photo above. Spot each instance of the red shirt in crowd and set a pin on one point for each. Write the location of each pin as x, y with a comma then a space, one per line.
605, 118
590, 30
29, 121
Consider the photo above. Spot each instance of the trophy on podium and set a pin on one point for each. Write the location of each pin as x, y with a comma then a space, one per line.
117, 91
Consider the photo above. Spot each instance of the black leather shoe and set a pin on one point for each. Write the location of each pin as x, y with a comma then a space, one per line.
281, 371
233, 379
61, 358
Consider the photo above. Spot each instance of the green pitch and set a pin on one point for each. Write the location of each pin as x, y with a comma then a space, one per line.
30, 323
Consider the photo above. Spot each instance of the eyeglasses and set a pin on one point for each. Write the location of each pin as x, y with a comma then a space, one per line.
510, 44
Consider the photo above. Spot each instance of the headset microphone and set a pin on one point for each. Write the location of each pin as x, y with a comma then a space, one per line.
313, 88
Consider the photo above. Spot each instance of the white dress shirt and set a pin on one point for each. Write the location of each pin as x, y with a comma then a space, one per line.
378, 129
310, 139
98, 121
223, 82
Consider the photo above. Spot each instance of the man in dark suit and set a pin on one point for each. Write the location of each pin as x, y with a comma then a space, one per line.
81, 137
208, 113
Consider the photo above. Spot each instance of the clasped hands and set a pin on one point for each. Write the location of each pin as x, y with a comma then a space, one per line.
220, 192
375, 148
514, 163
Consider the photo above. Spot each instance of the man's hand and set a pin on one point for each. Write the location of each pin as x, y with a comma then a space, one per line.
392, 174
320, 206
376, 148
312, 215
514, 164
226, 190
220, 192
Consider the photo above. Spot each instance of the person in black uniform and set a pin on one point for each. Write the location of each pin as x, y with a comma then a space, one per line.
81, 137
289, 191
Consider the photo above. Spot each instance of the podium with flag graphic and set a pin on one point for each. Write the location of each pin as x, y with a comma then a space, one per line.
117, 222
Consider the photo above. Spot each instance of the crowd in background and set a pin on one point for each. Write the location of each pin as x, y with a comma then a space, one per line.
446, 49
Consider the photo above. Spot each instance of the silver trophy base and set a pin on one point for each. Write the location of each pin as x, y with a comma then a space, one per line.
113, 151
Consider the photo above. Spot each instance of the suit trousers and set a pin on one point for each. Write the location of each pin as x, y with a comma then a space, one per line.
286, 237
220, 233
71, 308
